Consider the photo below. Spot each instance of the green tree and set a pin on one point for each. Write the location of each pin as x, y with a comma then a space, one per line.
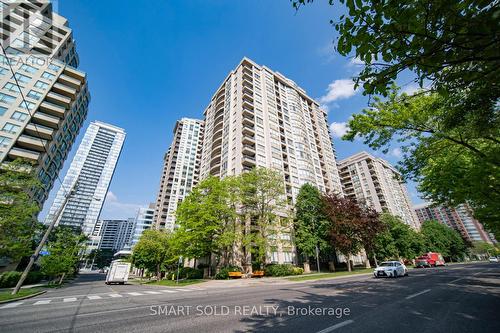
441, 238
265, 210
311, 224
398, 239
207, 219
18, 210
154, 252
484, 248
452, 166
101, 257
64, 247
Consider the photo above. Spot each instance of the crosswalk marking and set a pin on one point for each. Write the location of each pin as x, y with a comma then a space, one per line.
168, 291
135, 294
115, 295
46, 301
70, 299
180, 289
11, 305
152, 292
94, 297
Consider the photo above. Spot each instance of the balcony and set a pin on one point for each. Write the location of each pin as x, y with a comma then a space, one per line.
52, 109
248, 160
247, 139
31, 143
45, 120
43, 132
58, 99
69, 81
248, 149
64, 90
250, 130
73, 73
25, 154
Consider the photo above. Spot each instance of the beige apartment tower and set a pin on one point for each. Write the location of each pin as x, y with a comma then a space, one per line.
260, 118
376, 182
180, 171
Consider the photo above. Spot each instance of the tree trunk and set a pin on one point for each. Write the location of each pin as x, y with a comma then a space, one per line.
62, 278
307, 267
349, 263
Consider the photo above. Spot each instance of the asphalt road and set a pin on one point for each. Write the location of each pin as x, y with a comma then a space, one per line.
460, 298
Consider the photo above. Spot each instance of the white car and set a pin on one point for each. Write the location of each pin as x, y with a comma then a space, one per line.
390, 269
493, 259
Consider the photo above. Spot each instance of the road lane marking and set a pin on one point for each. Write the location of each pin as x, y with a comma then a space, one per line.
47, 301
11, 305
334, 327
168, 291
94, 297
115, 295
418, 294
456, 280
180, 289
69, 299
135, 294
152, 292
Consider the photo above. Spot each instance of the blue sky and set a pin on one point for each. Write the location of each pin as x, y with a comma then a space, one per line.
152, 62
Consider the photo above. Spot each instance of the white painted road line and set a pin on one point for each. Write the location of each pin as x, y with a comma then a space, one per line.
115, 295
135, 294
334, 327
180, 289
168, 291
70, 299
47, 301
456, 280
417, 294
11, 305
94, 297
152, 292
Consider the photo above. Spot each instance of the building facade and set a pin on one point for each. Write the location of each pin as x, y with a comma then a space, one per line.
180, 170
89, 175
116, 234
44, 104
143, 221
377, 183
460, 218
260, 118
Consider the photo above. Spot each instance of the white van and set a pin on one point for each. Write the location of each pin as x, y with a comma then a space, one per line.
118, 272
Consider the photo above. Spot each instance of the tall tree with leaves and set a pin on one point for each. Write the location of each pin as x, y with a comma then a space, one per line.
154, 252
263, 201
441, 238
311, 224
353, 226
18, 210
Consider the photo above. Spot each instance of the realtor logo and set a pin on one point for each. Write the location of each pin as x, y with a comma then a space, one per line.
26, 27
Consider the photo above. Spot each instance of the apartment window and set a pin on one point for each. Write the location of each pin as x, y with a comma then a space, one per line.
27, 105
48, 76
22, 78
10, 128
3, 109
8, 99
34, 94
41, 85
55, 68
4, 141
3, 71
21, 116
12, 87
28, 68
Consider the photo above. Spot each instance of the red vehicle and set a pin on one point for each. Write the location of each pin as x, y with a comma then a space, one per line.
431, 259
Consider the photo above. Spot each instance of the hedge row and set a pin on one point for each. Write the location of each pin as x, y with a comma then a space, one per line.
9, 279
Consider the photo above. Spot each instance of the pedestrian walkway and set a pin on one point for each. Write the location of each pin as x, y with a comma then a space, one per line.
103, 296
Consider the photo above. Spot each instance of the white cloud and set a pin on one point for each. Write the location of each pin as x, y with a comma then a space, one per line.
338, 89
115, 209
338, 129
396, 152
355, 61
410, 89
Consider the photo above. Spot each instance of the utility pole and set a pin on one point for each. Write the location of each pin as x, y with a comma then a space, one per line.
35, 255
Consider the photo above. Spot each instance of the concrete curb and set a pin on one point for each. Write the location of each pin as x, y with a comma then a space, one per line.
24, 297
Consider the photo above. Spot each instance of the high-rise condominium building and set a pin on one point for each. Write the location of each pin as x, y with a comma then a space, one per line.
143, 221
180, 170
260, 118
42, 126
377, 183
116, 234
89, 175
459, 218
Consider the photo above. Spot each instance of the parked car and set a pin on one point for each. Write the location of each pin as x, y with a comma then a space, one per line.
390, 269
493, 259
431, 259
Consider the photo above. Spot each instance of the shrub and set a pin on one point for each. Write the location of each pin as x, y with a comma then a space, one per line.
282, 270
9, 279
189, 273
224, 272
